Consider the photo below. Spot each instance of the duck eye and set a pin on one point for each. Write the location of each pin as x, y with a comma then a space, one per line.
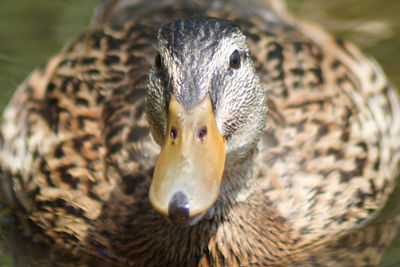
157, 61
234, 60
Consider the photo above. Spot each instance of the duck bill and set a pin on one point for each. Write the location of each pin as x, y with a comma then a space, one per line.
188, 173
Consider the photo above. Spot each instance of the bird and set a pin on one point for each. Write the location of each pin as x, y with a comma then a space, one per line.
215, 133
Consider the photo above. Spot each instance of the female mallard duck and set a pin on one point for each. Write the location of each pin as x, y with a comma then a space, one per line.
279, 156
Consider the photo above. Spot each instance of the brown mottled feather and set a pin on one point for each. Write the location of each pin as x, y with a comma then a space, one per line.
76, 155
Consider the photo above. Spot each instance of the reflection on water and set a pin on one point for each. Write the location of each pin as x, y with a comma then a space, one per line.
31, 31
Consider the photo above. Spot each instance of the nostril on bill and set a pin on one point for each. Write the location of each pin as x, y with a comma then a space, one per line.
178, 208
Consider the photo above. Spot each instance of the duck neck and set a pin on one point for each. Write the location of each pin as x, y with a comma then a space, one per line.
245, 221
238, 179
242, 228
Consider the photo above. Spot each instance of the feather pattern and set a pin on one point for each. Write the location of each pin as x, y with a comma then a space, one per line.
306, 174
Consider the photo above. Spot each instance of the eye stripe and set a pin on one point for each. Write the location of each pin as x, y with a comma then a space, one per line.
157, 61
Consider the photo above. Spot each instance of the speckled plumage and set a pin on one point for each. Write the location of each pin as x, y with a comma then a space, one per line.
76, 155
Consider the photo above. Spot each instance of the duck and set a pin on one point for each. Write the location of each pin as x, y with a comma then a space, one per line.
214, 133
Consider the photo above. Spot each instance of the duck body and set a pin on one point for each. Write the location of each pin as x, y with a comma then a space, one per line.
77, 157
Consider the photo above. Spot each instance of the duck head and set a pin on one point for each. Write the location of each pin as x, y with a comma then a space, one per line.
206, 109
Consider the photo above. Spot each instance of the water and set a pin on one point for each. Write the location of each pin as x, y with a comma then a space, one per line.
32, 31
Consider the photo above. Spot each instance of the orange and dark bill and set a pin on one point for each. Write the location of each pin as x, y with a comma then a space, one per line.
188, 172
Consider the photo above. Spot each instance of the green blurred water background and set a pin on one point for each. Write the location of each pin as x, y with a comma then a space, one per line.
32, 31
